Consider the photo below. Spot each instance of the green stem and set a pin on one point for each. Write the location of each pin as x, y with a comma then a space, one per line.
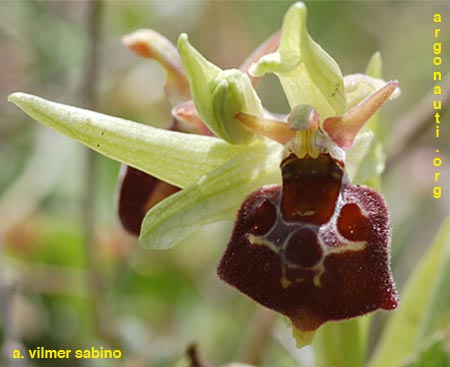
256, 338
88, 96
342, 344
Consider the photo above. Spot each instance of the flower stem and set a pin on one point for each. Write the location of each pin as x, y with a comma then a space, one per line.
259, 329
88, 97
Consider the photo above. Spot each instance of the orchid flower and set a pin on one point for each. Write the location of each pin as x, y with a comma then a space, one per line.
307, 242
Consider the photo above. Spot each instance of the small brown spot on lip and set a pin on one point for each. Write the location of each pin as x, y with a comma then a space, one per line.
352, 223
265, 217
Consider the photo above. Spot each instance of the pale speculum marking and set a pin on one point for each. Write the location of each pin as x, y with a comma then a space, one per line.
303, 246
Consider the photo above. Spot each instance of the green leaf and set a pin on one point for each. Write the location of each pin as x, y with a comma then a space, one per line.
178, 158
437, 313
219, 95
216, 197
434, 353
405, 324
20, 199
307, 73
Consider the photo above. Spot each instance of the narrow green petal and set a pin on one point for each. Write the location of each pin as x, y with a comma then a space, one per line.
219, 95
178, 158
215, 197
307, 73
405, 324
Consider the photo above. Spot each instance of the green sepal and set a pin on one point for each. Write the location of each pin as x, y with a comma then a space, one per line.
215, 197
177, 158
307, 73
218, 95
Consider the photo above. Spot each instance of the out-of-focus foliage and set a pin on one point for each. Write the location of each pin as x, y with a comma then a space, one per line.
425, 305
151, 305
434, 353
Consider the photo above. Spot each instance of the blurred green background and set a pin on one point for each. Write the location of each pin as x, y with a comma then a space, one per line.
149, 304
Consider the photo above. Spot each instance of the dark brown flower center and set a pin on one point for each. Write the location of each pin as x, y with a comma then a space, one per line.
310, 188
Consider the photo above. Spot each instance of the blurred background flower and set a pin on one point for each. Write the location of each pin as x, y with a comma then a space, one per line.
150, 304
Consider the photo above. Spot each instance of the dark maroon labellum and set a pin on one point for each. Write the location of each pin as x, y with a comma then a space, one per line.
138, 193
315, 249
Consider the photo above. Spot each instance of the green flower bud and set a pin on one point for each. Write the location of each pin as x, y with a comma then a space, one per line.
219, 95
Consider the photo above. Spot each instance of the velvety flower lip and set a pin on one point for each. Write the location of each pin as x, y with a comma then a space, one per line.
316, 266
